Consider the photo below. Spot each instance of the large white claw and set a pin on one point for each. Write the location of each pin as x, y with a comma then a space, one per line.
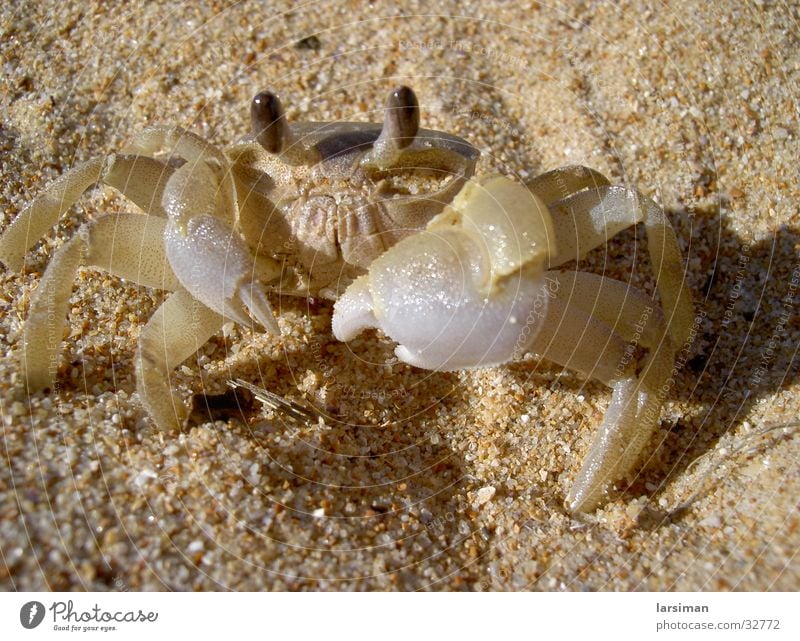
468, 291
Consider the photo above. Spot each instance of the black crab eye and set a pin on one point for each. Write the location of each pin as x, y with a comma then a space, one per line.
401, 117
268, 121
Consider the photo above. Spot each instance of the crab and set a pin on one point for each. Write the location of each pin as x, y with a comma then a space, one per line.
386, 220
303, 208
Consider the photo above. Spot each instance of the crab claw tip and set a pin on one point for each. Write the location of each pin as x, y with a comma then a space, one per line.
256, 301
353, 312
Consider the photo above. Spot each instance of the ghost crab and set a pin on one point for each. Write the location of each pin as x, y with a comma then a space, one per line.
460, 274
220, 224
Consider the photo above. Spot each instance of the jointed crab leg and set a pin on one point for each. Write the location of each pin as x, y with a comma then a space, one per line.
588, 219
127, 245
628, 425
625, 309
139, 178
588, 323
557, 184
176, 331
180, 142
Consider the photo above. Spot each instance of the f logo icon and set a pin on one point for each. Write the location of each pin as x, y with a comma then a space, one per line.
31, 614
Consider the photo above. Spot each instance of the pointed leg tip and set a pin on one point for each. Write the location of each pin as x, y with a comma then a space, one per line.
577, 503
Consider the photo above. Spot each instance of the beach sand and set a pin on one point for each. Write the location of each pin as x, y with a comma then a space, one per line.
424, 480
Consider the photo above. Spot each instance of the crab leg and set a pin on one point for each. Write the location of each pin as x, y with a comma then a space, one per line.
628, 425
587, 327
176, 331
127, 245
40, 215
625, 309
139, 178
556, 184
179, 141
587, 220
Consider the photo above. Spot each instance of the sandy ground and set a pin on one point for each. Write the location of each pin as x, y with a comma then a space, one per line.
428, 481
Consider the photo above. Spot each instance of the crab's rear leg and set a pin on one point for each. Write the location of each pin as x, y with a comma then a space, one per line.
128, 245
176, 331
141, 179
588, 219
175, 140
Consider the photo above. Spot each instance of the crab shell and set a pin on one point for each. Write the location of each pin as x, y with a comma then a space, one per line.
331, 216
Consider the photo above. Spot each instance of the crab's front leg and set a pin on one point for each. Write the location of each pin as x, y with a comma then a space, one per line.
141, 179
176, 331
126, 245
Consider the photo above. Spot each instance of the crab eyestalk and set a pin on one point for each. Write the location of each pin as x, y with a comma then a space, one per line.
273, 133
400, 127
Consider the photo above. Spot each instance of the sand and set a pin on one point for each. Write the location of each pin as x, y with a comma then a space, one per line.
423, 481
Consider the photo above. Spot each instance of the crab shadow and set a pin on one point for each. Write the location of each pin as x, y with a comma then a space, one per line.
740, 357
745, 352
